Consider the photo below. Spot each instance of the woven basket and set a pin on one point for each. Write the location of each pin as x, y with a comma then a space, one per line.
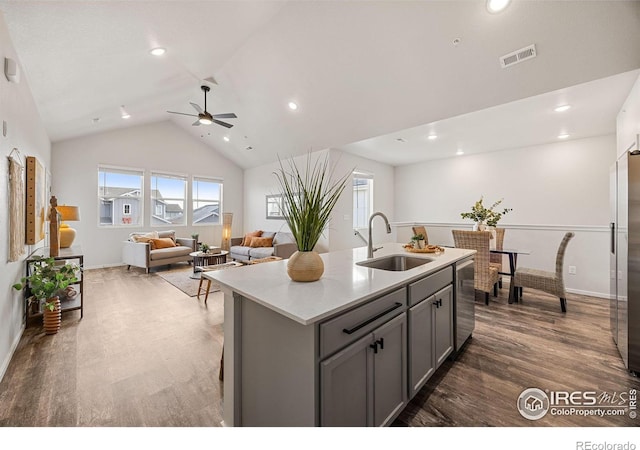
429, 249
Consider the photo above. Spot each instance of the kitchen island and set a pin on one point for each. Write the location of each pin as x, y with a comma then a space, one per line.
349, 349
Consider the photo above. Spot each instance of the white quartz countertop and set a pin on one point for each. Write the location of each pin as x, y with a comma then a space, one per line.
343, 284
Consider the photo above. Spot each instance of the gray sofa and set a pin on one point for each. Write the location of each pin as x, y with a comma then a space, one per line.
139, 254
284, 245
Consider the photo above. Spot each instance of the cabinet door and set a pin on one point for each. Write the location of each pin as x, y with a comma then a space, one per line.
443, 324
389, 370
346, 386
421, 359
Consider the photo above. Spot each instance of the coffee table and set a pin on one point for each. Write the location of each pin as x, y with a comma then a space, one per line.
205, 259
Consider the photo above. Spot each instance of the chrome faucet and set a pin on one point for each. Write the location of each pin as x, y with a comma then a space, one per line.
370, 248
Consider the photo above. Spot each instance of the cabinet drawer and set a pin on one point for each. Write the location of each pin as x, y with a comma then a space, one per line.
424, 288
346, 328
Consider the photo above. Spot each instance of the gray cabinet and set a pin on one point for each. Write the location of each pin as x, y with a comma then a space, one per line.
443, 320
430, 336
365, 384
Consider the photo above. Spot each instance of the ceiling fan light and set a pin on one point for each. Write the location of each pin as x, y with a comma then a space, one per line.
205, 121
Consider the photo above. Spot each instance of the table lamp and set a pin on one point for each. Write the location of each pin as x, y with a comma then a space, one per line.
226, 230
67, 234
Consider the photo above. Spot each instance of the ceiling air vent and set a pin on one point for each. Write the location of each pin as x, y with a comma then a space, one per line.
518, 56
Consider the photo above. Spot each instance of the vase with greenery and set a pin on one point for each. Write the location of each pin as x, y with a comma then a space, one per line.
204, 248
46, 282
309, 196
418, 241
483, 216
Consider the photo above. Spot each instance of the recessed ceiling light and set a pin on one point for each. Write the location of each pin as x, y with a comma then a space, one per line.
158, 51
459, 152
431, 137
293, 106
562, 108
563, 136
96, 119
401, 140
123, 113
495, 6
226, 138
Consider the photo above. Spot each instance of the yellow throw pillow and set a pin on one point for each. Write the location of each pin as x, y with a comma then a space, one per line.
261, 242
247, 237
162, 243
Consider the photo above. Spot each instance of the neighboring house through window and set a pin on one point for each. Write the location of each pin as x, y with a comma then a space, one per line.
120, 196
207, 201
168, 199
362, 198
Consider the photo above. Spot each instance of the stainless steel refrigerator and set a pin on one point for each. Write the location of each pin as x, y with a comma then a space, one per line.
625, 257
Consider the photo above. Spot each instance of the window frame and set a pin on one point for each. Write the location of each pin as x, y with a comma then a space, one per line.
360, 175
105, 168
185, 200
194, 199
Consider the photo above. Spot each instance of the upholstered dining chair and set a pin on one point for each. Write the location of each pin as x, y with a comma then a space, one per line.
549, 282
421, 230
496, 258
485, 276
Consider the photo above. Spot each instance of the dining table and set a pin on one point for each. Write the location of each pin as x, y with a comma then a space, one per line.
512, 253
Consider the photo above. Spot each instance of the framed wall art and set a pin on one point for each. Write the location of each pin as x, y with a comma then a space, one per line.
36, 204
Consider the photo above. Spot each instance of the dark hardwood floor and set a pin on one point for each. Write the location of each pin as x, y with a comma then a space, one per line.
146, 354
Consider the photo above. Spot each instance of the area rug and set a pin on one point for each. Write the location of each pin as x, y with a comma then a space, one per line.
180, 279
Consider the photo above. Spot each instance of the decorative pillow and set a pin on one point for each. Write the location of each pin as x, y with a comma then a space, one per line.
162, 243
138, 237
261, 242
247, 237
144, 240
167, 234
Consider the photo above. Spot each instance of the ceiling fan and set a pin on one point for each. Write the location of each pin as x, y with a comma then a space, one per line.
204, 117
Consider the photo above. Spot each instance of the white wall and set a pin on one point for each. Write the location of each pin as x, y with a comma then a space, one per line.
26, 133
552, 189
261, 181
628, 123
160, 146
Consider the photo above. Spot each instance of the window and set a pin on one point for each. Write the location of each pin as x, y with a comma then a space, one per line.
207, 201
362, 199
117, 189
168, 199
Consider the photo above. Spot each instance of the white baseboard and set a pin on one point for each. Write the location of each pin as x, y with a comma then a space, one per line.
606, 296
7, 359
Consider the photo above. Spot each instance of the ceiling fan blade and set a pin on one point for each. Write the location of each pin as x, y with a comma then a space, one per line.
225, 116
197, 108
196, 123
184, 114
220, 122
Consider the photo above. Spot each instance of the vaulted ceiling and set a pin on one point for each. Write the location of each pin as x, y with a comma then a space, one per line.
357, 69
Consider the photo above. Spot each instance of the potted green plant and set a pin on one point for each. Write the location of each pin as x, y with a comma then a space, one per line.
418, 241
204, 248
46, 281
483, 216
196, 244
309, 197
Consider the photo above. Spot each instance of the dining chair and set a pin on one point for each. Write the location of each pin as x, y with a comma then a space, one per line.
549, 282
421, 230
485, 276
496, 258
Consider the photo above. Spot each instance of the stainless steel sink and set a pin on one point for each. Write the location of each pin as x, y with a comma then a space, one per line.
395, 263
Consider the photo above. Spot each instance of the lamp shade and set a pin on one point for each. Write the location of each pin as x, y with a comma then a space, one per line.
227, 218
69, 213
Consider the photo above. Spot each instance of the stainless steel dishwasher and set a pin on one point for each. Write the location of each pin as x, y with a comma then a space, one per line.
464, 305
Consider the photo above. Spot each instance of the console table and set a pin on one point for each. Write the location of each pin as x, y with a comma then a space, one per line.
71, 255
